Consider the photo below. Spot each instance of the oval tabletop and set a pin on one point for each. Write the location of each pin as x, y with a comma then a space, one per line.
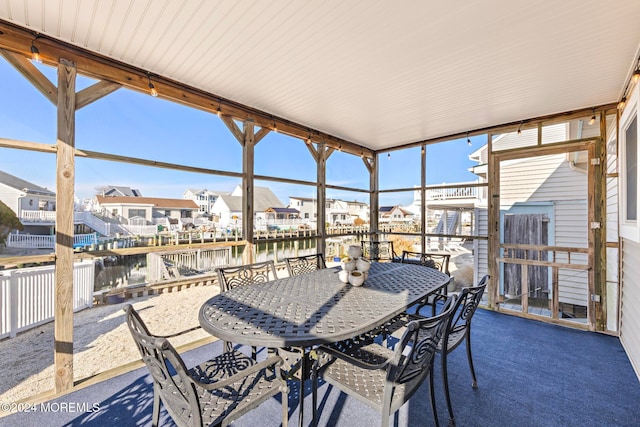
316, 308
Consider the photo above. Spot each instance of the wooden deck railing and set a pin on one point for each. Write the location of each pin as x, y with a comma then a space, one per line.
553, 257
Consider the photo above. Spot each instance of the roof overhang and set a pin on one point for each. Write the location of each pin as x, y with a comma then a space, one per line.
377, 74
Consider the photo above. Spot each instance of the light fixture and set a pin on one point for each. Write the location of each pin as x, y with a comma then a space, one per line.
35, 52
388, 155
275, 127
593, 117
468, 140
622, 102
422, 150
219, 111
520, 129
152, 88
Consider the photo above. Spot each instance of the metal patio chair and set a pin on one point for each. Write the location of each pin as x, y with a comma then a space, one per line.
439, 261
379, 250
459, 331
215, 392
248, 274
382, 377
304, 264
244, 275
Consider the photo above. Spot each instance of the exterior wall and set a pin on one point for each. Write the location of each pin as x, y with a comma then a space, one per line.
9, 197
630, 301
481, 258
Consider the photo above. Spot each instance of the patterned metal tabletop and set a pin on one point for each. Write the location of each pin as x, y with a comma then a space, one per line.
316, 308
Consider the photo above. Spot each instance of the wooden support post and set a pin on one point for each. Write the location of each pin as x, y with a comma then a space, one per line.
65, 187
598, 234
248, 146
423, 197
493, 236
321, 193
374, 197
524, 287
555, 299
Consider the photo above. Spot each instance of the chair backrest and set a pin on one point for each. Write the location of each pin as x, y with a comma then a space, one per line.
378, 250
249, 274
170, 376
434, 260
304, 264
415, 351
465, 307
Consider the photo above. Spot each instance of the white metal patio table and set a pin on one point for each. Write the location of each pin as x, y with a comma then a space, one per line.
316, 308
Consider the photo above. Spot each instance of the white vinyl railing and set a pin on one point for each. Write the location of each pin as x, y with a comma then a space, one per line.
38, 241
27, 295
453, 193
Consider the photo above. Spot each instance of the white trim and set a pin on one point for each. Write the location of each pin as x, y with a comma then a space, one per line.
629, 229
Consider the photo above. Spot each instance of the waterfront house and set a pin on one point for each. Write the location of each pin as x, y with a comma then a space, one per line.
149, 210
33, 205
228, 207
205, 199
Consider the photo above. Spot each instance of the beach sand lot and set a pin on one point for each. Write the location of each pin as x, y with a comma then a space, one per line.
102, 340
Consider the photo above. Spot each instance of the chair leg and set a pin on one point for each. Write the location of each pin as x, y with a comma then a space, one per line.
314, 394
474, 384
445, 380
433, 397
155, 420
285, 404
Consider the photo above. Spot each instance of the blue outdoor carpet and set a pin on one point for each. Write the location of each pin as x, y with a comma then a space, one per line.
529, 374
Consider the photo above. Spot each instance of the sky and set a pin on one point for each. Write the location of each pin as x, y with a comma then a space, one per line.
138, 125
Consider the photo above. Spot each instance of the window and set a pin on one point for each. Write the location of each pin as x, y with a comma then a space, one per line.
629, 225
631, 175
134, 213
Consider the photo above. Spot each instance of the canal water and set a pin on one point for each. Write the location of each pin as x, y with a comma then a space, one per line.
118, 271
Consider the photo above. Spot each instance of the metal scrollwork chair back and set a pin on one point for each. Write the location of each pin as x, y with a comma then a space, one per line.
438, 261
379, 250
365, 368
215, 392
248, 274
305, 264
459, 331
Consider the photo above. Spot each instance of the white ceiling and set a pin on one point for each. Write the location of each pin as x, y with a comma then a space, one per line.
377, 73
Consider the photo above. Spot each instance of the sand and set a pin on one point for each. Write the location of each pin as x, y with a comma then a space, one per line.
101, 340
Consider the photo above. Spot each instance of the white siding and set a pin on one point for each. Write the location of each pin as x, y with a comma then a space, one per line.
480, 251
540, 179
9, 197
571, 230
629, 307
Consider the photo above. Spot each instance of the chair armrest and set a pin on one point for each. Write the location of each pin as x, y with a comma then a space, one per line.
354, 360
274, 361
177, 334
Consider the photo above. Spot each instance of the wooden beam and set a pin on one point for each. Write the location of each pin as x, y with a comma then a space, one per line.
93, 93
261, 134
313, 151
137, 161
27, 145
233, 127
32, 74
18, 40
65, 177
